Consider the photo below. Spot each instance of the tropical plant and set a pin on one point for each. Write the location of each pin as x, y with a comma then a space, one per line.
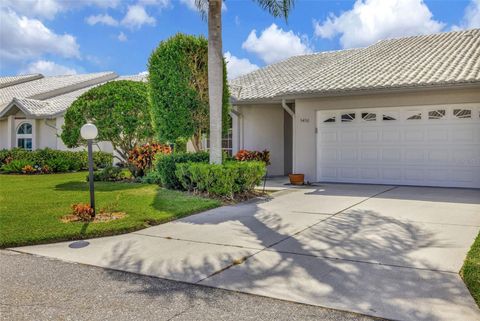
178, 81
142, 157
212, 9
247, 155
119, 109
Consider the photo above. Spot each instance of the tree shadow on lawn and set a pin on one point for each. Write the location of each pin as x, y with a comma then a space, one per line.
333, 265
99, 186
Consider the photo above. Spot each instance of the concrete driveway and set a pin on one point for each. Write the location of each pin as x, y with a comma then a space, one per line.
386, 251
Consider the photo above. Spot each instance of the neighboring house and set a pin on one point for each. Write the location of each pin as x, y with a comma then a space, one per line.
402, 111
32, 107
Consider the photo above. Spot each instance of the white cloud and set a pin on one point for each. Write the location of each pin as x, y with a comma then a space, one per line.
471, 19
23, 38
48, 68
122, 37
136, 17
238, 66
274, 44
193, 6
47, 9
372, 20
160, 3
102, 19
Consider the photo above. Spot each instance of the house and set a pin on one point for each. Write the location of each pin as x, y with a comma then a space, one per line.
402, 111
32, 107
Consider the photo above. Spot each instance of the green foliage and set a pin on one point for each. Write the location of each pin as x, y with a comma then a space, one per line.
151, 177
178, 83
55, 160
225, 180
108, 174
471, 270
15, 166
119, 109
166, 165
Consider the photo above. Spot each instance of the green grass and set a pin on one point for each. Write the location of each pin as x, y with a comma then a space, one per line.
30, 207
471, 270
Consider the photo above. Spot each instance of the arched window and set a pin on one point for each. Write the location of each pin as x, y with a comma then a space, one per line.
24, 136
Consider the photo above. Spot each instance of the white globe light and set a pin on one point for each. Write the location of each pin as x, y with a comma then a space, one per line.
89, 131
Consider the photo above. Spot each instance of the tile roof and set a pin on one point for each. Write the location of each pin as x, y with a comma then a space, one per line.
7, 81
48, 87
50, 96
451, 58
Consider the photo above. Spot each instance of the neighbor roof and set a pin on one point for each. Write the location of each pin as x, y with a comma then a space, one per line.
41, 96
438, 60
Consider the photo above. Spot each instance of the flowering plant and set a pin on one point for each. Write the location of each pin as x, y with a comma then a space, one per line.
248, 155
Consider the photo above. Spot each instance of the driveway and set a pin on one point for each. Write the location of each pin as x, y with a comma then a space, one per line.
386, 251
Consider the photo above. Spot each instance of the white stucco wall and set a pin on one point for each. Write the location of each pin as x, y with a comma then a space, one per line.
305, 110
262, 129
3, 133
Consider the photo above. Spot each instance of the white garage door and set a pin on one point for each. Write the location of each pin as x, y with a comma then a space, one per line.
429, 146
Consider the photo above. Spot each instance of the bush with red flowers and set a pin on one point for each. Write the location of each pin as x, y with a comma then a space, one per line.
253, 155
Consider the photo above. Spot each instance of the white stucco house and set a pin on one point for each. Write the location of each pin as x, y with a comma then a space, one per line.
402, 111
32, 107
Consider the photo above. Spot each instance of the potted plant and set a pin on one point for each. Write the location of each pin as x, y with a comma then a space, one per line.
296, 179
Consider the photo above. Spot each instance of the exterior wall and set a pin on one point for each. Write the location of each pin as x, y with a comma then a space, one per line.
261, 127
305, 116
46, 134
4, 134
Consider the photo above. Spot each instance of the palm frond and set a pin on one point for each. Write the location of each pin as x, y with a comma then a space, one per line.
202, 6
277, 8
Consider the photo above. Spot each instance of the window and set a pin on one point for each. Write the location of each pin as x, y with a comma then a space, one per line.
330, 120
24, 136
369, 116
415, 116
347, 118
462, 113
388, 117
436, 114
226, 143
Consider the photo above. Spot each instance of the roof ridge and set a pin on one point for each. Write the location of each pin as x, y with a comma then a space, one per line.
429, 35
106, 76
19, 79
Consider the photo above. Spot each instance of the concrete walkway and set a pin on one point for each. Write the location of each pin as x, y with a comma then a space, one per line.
386, 251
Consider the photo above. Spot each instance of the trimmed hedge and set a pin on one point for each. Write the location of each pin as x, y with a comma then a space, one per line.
166, 165
12, 161
225, 180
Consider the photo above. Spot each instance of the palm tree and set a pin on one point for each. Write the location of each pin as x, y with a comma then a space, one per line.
213, 10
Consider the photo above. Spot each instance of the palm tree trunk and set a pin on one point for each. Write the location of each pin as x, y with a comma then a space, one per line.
215, 78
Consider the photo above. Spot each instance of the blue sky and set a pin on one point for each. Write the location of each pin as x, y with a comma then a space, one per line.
78, 36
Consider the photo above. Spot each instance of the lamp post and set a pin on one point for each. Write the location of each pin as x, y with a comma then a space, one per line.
89, 133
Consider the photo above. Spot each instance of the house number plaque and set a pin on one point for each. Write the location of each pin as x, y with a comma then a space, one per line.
304, 120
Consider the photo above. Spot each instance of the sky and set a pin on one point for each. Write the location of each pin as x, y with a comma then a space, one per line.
56, 37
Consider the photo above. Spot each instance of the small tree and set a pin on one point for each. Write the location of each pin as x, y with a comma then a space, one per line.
119, 109
178, 82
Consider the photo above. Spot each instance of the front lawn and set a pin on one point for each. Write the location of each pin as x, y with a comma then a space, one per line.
30, 207
471, 270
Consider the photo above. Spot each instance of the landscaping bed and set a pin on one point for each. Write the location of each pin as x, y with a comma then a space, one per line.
471, 270
31, 207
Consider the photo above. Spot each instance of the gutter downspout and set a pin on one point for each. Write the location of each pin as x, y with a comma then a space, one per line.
294, 126
238, 115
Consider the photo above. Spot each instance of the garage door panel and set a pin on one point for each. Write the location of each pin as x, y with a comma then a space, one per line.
391, 136
418, 151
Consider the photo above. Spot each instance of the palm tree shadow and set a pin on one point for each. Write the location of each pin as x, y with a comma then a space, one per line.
340, 256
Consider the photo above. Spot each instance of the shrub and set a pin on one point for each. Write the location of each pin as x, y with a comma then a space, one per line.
247, 155
49, 160
152, 177
28, 169
225, 180
108, 174
141, 157
166, 166
15, 166
83, 211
